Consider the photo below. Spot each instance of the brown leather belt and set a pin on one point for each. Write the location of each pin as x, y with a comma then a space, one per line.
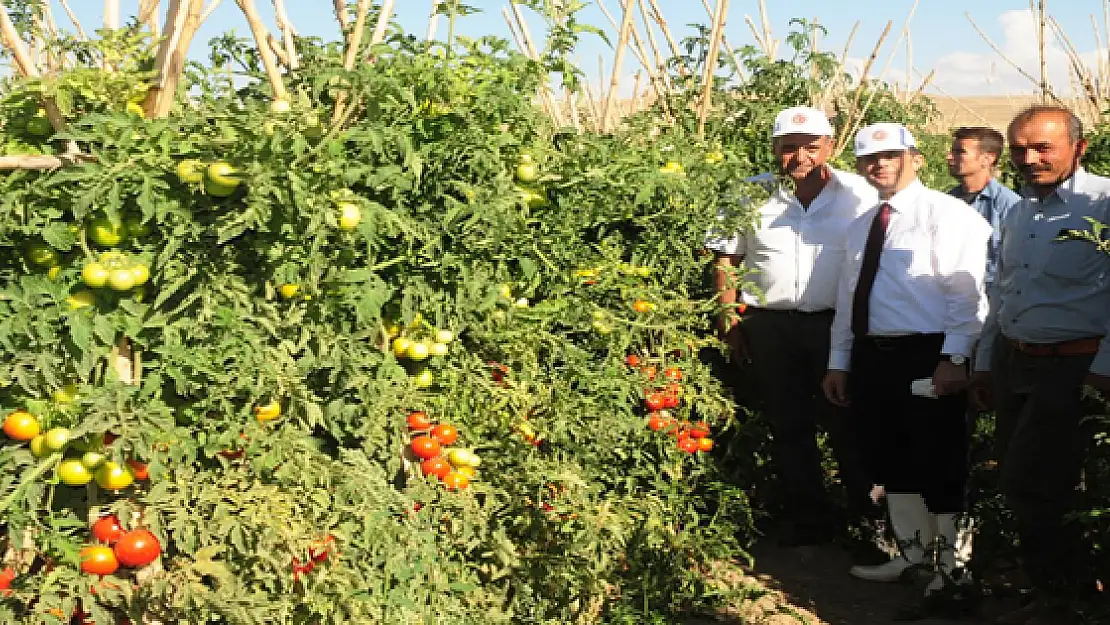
1079, 347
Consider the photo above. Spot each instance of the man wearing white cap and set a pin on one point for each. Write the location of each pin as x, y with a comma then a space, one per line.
793, 254
910, 305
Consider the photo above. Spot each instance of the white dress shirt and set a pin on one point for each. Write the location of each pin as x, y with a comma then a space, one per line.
794, 254
931, 273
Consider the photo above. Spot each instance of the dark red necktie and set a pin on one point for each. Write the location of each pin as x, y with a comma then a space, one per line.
861, 300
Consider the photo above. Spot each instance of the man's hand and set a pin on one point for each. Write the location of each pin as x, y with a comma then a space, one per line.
835, 386
979, 390
1101, 383
728, 328
949, 379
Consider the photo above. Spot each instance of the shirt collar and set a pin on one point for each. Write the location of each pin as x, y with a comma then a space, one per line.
903, 201
1067, 189
991, 191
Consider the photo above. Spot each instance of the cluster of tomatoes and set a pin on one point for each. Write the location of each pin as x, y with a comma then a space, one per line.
118, 547
318, 553
455, 467
91, 464
115, 270
659, 401
527, 174
416, 344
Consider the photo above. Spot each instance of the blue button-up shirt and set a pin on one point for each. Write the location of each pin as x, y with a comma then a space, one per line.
1051, 289
993, 203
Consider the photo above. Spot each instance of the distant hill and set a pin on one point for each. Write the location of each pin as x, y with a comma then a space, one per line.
993, 111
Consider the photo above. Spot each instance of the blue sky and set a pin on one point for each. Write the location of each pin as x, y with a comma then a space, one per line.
942, 38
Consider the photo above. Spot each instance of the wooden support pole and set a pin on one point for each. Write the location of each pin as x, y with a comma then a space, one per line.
618, 61
111, 14
288, 35
261, 35
81, 36
711, 63
384, 16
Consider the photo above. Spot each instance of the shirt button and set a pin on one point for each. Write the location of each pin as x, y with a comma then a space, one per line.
1032, 236
1025, 266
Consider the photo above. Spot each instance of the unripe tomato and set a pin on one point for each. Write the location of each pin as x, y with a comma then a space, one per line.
463, 458
280, 106
425, 447
66, 394
418, 421
401, 346
350, 215
468, 472
140, 273
190, 171
98, 560
107, 529
121, 280
526, 172
135, 226
137, 548
216, 189
94, 275
72, 473
435, 466
21, 425
103, 232
444, 336
92, 459
39, 448
418, 350
268, 412
223, 174
112, 476
289, 291
424, 378
136, 109
455, 481
439, 350
54, 273
56, 439
446, 434
42, 255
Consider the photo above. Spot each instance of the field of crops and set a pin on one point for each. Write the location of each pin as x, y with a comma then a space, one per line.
357, 332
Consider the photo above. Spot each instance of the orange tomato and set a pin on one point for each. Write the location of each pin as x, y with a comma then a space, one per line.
425, 447
456, 481
705, 444
642, 306
656, 422
98, 560
446, 434
437, 466
673, 373
21, 425
688, 445
648, 371
468, 472
139, 470
632, 360
700, 430
418, 421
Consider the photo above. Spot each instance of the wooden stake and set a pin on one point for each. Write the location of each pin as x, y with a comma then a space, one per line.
433, 21
724, 41
1101, 67
660, 64
618, 61
39, 162
288, 35
767, 35
73, 20
384, 16
1040, 48
111, 14
572, 110
909, 62
341, 15
183, 19
658, 14
355, 39
148, 14
261, 33
532, 52
636, 51
853, 112
208, 12
711, 63
1017, 67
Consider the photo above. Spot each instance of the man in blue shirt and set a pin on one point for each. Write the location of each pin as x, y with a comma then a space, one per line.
1045, 338
973, 159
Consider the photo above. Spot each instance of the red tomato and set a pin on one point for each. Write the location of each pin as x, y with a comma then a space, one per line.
99, 560
137, 548
445, 434
688, 445
673, 373
700, 430
7, 576
425, 447
139, 470
705, 444
437, 466
670, 400
632, 360
657, 423
107, 529
418, 421
655, 401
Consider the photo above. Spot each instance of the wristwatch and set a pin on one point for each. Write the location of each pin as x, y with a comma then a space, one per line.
957, 359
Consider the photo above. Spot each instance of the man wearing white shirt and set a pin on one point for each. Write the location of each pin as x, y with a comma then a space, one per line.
910, 304
793, 255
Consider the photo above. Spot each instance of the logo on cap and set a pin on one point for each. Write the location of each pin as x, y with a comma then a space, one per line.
799, 119
878, 135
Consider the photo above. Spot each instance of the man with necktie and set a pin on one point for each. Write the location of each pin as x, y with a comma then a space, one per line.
910, 304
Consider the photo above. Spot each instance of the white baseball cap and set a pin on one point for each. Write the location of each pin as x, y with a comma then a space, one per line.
802, 120
883, 137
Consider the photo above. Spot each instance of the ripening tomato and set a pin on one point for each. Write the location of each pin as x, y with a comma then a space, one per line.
190, 171
425, 447
21, 425
112, 476
223, 174
289, 291
705, 444
349, 216
468, 472
107, 529
139, 470
99, 560
446, 434
423, 378
642, 306
632, 360
700, 430
673, 373
656, 422
456, 481
103, 232
437, 466
648, 371
137, 548
418, 421
268, 412
688, 445
39, 448
655, 401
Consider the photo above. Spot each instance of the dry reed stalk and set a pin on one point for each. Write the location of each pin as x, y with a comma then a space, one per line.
917, 93
384, 16
634, 102
81, 36
763, 46
1040, 47
1081, 73
637, 51
278, 49
909, 63
724, 40
208, 11
831, 89
854, 114
666, 29
261, 35
768, 36
572, 110
660, 64
532, 52
111, 14
618, 61
148, 14
1101, 67
1105, 77
341, 15
711, 63
433, 21
591, 106
967, 109
288, 35
354, 40
1009, 61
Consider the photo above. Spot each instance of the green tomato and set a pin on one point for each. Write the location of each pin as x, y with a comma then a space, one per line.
81, 299
135, 227
418, 350
39, 448
94, 275
73, 473
224, 174
121, 279
526, 172
218, 190
39, 126
66, 394
140, 273
423, 378
103, 232
439, 349
190, 171
42, 255
57, 439
92, 459
349, 216
444, 336
112, 476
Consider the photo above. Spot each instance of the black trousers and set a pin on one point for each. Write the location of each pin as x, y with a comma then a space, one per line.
790, 352
1040, 445
910, 444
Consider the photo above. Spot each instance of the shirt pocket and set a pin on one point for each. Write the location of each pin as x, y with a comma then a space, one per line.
1077, 262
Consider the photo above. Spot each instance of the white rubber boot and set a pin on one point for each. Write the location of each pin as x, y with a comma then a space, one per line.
911, 523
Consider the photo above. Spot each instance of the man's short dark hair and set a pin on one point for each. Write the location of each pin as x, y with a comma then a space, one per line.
990, 140
1075, 125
